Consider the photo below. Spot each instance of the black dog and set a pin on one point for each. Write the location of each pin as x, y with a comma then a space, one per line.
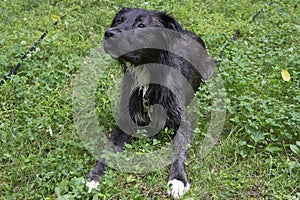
144, 87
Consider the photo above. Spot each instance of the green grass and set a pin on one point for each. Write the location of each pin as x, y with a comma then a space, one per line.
42, 156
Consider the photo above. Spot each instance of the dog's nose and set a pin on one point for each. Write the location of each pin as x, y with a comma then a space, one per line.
110, 32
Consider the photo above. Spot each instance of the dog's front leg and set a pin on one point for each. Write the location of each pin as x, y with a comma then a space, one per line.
115, 143
178, 183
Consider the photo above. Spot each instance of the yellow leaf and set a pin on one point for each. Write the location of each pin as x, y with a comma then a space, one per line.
55, 17
285, 75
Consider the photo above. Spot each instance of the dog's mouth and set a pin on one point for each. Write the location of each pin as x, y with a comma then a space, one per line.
131, 58
128, 53
122, 50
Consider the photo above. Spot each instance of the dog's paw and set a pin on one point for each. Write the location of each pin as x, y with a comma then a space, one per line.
91, 185
176, 188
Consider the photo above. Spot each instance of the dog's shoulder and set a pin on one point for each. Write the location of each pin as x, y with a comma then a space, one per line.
195, 37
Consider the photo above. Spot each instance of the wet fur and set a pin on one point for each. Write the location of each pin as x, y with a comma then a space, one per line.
131, 18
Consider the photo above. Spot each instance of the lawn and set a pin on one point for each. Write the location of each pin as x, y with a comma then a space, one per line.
257, 155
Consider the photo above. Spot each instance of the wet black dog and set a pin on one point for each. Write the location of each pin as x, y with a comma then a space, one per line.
144, 87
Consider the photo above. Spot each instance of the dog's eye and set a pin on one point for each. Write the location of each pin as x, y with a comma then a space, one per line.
141, 25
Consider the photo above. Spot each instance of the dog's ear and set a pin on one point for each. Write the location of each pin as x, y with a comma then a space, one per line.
169, 22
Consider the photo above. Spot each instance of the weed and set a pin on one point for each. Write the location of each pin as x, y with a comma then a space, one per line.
257, 156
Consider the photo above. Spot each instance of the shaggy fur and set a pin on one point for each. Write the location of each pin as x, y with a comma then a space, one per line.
152, 94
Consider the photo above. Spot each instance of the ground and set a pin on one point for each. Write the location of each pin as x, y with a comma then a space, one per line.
257, 154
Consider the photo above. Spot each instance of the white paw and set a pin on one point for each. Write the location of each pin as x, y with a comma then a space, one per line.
91, 185
177, 188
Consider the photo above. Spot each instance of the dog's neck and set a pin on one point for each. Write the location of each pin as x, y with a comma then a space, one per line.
140, 75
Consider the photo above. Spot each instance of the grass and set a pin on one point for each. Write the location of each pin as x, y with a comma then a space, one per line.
257, 157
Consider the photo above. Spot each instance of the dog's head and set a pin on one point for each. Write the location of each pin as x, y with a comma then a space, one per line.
133, 22
135, 18
139, 36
